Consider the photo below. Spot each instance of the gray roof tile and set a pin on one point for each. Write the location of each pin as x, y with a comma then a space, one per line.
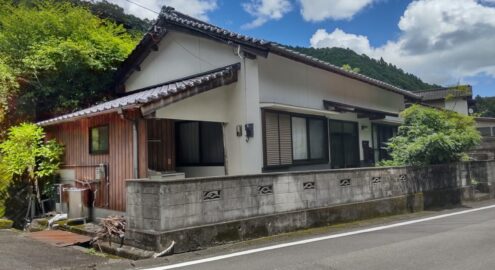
143, 97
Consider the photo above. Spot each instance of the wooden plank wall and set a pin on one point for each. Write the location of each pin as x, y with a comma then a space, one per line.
161, 145
75, 137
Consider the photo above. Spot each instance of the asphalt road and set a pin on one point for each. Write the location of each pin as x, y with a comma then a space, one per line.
464, 242
17, 251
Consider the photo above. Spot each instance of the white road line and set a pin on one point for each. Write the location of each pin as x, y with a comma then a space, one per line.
317, 239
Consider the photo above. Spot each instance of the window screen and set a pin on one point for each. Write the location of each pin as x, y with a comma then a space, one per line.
98, 140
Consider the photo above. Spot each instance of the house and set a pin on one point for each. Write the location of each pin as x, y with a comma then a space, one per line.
199, 101
460, 99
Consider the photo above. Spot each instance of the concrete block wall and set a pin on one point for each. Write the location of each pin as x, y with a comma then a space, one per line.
154, 205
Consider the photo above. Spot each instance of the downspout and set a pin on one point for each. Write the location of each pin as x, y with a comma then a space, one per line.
135, 148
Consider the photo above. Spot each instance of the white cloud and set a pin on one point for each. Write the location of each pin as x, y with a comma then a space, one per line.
319, 10
441, 41
339, 38
266, 10
195, 8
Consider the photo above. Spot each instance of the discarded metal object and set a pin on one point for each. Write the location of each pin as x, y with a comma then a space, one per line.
59, 238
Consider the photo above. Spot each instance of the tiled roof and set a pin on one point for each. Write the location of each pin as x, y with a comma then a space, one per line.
442, 93
171, 16
135, 100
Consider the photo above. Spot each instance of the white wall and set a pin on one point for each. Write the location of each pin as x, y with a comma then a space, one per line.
289, 82
459, 105
235, 104
180, 55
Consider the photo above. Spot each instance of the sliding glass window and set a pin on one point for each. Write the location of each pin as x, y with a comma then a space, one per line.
293, 139
309, 139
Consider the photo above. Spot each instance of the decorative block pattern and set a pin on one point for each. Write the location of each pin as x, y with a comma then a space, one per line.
212, 195
265, 190
309, 185
376, 180
345, 182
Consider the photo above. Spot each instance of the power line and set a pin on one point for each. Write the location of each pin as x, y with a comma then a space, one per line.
141, 6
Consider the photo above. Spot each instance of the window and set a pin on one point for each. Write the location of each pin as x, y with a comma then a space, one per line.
381, 136
485, 131
299, 138
199, 144
293, 138
98, 140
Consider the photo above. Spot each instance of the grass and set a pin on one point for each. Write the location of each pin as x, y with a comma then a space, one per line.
6, 224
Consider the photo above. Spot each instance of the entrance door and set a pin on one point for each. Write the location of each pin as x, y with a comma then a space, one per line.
344, 144
381, 135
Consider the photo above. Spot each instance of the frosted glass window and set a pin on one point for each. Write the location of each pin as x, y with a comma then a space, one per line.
299, 138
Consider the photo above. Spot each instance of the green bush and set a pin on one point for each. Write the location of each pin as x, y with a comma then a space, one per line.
29, 157
432, 136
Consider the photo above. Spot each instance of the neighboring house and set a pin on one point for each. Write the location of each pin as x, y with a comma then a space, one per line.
202, 101
460, 99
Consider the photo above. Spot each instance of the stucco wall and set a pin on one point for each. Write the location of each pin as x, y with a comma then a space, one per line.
459, 105
289, 82
162, 206
180, 55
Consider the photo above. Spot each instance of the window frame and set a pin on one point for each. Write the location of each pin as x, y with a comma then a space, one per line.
298, 162
90, 136
201, 163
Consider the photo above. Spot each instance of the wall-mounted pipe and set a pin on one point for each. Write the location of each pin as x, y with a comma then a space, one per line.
135, 148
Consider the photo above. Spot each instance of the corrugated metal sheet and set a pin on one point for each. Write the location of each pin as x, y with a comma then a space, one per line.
75, 137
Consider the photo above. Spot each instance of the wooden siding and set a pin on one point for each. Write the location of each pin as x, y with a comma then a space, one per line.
75, 137
161, 145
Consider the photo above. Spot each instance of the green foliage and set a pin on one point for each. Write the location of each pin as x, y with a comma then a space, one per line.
116, 14
8, 87
485, 106
432, 136
5, 180
377, 69
348, 67
62, 55
27, 152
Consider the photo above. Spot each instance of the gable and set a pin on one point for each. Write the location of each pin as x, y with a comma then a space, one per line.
180, 55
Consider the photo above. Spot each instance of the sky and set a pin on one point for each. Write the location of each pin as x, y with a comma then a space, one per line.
447, 42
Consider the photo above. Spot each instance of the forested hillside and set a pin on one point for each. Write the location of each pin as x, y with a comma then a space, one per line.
485, 106
377, 69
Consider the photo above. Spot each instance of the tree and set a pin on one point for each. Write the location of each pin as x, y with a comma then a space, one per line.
348, 67
27, 153
485, 106
61, 56
432, 136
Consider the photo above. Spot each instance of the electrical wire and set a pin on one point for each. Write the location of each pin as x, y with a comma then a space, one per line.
141, 6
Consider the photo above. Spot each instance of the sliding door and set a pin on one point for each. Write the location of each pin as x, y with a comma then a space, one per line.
344, 144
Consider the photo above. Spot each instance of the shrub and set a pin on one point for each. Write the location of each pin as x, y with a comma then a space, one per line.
432, 136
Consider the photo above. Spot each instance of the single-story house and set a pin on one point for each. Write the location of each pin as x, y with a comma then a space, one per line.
198, 101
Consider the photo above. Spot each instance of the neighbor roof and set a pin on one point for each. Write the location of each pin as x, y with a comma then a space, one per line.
443, 93
155, 94
172, 19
